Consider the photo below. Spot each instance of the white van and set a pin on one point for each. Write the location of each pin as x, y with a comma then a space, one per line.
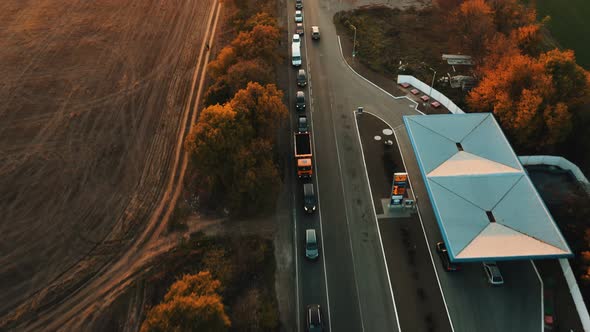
296, 55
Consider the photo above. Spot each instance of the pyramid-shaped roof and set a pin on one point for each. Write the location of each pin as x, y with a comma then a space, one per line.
485, 203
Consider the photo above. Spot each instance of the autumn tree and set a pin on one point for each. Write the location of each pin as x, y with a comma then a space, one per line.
213, 140
255, 177
237, 77
260, 42
218, 67
261, 18
191, 304
511, 14
528, 38
533, 98
474, 26
262, 107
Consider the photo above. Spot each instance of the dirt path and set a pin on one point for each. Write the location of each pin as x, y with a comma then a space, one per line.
59, 237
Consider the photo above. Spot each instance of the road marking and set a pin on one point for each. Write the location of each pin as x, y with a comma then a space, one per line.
375, 85
377, 223
423, 229
347, 222
315, 166
542, 297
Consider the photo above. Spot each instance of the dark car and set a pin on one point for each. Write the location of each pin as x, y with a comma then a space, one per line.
309, 199
314, 318
298, 4
441, 249
302, 125
299, 28
301, 77
300, 101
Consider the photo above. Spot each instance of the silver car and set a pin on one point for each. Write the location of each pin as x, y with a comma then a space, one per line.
311, 245
298, 16
493, 273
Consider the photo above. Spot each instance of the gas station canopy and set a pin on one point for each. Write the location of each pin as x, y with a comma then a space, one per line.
484, 201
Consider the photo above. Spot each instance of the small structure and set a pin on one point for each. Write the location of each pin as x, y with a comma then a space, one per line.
458, 59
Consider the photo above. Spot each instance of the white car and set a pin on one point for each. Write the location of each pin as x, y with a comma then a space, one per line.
493, 273
298, 16
296, 39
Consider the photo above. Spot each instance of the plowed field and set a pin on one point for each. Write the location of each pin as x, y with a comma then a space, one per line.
92, 100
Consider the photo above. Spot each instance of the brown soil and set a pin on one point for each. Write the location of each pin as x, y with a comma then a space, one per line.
93, 102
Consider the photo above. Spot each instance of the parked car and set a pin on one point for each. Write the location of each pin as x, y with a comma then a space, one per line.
301, 77
298, 4
315, 32
299, 29
549, 304
441, 249
298, 16
311, 245
296, 39
314, 318
309, 199
493, 273
302, 125
300, 101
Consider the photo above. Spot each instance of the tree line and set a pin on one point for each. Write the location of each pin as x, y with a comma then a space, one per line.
233, 144
537, 93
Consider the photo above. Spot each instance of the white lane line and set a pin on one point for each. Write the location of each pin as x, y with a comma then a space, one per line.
542, 297
423, 229
375, 85
377, 223
315, 167
358, 295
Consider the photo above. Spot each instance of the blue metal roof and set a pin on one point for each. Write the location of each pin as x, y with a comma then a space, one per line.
485, 204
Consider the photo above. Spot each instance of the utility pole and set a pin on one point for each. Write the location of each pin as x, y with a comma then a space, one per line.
353, 43
433, 75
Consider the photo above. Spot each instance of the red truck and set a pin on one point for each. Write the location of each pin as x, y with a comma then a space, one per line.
303, 155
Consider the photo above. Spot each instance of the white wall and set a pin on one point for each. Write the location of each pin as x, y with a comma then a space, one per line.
564, 263
425, 88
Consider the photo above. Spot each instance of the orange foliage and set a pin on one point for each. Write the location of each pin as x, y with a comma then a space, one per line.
237, 77
191, 304
217, 136
519, 91
226, 58
261, 42
263, 108
474, 26
511, 14
528, 38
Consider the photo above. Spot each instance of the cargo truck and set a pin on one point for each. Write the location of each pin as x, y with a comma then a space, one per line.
303, 155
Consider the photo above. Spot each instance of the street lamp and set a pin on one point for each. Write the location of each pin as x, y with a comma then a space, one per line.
353, 43
433, 75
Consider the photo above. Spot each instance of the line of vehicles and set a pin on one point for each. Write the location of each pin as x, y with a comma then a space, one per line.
303, 153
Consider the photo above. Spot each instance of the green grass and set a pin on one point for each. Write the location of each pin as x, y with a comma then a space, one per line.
569, 25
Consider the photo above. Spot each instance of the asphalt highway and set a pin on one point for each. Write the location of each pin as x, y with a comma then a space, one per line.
351, 280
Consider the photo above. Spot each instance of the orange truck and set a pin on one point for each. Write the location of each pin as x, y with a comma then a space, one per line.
303, 155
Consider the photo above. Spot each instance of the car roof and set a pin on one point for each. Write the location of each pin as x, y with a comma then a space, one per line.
315, 28
297, 12
300, 94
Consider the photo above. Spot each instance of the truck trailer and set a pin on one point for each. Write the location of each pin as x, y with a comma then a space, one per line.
303, 155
